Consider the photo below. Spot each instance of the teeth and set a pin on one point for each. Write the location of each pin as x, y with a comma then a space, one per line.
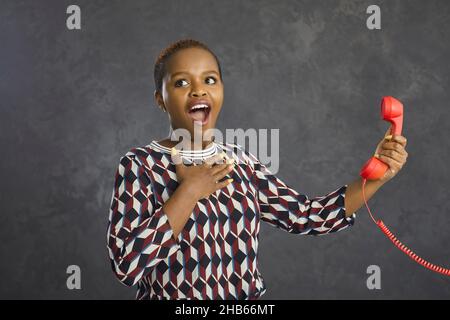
199, 106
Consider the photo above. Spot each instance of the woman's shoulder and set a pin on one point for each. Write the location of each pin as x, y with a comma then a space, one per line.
144, 154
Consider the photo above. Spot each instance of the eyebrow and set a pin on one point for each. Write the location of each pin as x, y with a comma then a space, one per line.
183, 72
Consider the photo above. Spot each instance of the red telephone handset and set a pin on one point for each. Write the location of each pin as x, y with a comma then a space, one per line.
374, 168
392, 111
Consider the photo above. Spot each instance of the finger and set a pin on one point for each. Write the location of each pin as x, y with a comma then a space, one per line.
219, 168
209, 162
397, 146
218, 158
226, 155
223, 157
400, 149
219, 174
400, 139
391, 162
395, 155
388, 135
221, 184
392, 155
176, 158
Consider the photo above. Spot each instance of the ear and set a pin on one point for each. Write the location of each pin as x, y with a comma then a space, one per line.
159, 100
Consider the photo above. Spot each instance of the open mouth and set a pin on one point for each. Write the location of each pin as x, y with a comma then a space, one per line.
200, 113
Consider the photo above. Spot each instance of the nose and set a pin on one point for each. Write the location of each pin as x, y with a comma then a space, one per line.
197, 90
198, 93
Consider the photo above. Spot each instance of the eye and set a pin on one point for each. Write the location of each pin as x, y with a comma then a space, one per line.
213, 79
178, 81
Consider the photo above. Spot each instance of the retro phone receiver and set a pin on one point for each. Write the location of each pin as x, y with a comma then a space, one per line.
392, 111
374, 168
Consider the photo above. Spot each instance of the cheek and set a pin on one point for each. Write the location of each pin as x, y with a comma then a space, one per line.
177, 104
219, 92
218, 98
217, 111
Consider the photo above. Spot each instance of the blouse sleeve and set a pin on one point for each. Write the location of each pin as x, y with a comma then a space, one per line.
139, 234
283, 207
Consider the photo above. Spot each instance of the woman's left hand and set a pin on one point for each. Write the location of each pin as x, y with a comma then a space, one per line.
391, 150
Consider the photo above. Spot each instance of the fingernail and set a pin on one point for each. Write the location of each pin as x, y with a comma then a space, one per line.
377, 155
389, 137
231, 160
230, 180
174, 151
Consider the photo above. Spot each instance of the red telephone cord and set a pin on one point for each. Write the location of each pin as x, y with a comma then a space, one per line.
400, 245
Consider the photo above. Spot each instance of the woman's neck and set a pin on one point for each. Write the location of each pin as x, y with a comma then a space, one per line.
194, 144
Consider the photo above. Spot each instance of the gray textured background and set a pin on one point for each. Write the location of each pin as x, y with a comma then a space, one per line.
73, 102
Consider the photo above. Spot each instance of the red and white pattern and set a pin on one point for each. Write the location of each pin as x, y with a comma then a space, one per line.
216, 254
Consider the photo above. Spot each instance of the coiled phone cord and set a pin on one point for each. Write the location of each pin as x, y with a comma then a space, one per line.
401, 246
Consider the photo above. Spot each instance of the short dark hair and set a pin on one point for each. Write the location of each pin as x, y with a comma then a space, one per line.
160, 63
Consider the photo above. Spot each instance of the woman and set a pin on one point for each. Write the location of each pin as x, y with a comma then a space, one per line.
181, 231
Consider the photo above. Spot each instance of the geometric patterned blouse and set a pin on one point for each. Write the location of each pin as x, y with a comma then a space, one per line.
215, 256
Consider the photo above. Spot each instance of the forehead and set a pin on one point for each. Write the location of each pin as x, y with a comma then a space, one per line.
191, 60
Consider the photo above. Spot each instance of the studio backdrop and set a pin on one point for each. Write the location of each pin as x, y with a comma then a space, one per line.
77, 94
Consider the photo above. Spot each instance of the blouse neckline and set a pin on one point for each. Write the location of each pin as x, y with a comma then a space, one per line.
210, 150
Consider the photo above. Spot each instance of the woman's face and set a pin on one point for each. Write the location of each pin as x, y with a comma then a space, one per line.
192, 76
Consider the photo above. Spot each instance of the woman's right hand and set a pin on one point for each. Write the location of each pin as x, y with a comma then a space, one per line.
203, 179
